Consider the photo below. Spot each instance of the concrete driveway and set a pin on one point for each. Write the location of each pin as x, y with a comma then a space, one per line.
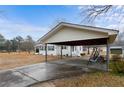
28, 75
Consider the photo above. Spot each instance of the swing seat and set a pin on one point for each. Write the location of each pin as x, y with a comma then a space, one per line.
93, 59
94, 56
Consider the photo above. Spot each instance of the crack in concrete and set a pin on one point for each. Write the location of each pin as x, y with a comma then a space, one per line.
27, 75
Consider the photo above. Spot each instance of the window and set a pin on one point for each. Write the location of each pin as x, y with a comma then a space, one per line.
42, 47
51, 48
64, 47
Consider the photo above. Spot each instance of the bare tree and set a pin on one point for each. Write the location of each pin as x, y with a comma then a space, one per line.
92, 11
19, 39
27, 44
14, 45
2, 42
8, 46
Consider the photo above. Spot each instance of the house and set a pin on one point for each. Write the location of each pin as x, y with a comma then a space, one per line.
55, 50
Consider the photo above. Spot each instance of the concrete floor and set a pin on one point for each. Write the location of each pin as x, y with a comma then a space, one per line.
82, 62
28, 75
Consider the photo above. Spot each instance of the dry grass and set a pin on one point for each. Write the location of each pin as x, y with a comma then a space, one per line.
12, 60
99, 79
8, 61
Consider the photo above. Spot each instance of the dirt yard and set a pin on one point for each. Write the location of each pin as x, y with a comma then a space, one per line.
12, 60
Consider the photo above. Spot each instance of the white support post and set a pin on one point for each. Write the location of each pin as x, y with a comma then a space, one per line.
61, 51
107, 56
45, 52
71, 51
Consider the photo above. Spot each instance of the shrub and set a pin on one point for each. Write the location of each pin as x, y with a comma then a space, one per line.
117, 65
116, 58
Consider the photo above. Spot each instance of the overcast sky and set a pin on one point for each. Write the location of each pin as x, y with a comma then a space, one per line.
38, 20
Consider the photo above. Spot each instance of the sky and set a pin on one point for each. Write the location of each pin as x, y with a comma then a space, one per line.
34, 20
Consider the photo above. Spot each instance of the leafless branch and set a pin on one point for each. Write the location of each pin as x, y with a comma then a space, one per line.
95, 11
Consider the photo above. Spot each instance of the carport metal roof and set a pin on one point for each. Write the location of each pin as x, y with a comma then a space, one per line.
75, 34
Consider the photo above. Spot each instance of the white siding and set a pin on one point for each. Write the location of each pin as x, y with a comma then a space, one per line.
50, 52
70, 34
65, 52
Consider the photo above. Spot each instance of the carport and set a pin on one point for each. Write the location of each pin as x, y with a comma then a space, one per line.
79, 35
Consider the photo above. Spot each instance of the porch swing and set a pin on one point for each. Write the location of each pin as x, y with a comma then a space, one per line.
95, 56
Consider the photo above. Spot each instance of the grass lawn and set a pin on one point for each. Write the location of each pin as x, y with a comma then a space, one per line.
12, 60
98, 79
